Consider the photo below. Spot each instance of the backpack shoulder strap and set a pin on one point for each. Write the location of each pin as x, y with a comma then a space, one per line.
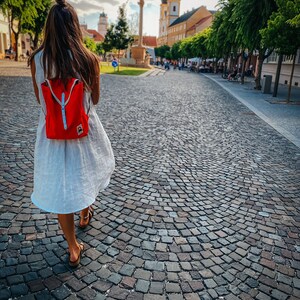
71, 90
50, 87
55, 97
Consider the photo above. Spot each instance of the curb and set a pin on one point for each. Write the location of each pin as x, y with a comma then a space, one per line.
285, 133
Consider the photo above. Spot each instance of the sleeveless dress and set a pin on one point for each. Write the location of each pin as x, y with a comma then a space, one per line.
69, 174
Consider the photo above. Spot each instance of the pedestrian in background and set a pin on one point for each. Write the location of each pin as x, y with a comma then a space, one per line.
68, 174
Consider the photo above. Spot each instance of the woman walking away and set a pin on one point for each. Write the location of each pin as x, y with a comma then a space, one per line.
73, 158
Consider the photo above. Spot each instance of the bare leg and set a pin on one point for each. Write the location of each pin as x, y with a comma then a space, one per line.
84, 216
68, 228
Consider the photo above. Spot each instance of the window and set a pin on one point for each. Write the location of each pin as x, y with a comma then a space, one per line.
287, 58
174, 8
273, 57
165, 13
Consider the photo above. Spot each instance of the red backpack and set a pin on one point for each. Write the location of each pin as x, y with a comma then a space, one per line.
66, 118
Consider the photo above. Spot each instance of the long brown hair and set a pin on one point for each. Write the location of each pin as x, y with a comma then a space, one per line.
64, 54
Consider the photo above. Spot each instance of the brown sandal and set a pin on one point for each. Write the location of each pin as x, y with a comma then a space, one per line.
88, 217
76, 263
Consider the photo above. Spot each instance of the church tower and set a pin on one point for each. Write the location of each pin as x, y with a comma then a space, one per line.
174, 9
169, 12
103, 24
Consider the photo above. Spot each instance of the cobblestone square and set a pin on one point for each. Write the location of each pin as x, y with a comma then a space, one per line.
203, 204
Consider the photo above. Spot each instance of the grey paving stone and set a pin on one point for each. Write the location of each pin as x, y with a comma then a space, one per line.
142, 286
203, 201
154, 266
156, 287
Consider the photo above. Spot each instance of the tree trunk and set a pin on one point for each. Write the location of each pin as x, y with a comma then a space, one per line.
259, 69
291, 79
277, 75
225, 67
9, 27
16, 34
244, 60
119, 60
35, 41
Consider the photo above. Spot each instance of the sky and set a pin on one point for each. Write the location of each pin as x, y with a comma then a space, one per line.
89, 10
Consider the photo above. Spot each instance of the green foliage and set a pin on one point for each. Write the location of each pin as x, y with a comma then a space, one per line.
199, 43
21, 12
168, 55
109, 40
99, 49
282, 32
222, 38
121, 38
295, 22
161, 51
117, 36
186, 47
175, 51
249, 17
35, 29
90, 44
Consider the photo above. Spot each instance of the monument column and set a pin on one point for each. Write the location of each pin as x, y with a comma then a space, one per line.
139, 52
141, 3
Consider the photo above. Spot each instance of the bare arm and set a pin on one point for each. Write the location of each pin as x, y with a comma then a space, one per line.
35, 87
96, 87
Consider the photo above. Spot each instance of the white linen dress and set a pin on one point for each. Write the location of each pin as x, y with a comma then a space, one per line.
69, 174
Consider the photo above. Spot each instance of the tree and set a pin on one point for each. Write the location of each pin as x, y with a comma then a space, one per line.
199, 43
186, 47
35, 29
121, 38
99, 49
249, 17
222, 41
161, 51
175, 51
283, 34
109, 40
90, 44
20, 13
168, 55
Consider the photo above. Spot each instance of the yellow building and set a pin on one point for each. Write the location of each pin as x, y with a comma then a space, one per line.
173, 28
169, 13
4, 35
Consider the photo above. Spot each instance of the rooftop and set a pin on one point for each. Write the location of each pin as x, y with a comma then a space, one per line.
184, 17
200, 22
96, 35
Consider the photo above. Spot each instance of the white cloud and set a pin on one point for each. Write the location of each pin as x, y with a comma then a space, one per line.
89, 10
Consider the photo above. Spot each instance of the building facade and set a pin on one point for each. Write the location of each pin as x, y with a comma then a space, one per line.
4, 35
173, 27
7, 41
270, 67
169, 12
103, 24
91, 33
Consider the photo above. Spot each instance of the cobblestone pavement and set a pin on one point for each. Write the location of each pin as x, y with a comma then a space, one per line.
204, 202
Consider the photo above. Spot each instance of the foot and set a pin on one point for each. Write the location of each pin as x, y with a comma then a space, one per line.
75, 255
85, 217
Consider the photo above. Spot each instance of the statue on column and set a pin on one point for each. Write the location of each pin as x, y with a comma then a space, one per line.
139, 52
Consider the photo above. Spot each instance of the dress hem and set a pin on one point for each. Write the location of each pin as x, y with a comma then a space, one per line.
90, 202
